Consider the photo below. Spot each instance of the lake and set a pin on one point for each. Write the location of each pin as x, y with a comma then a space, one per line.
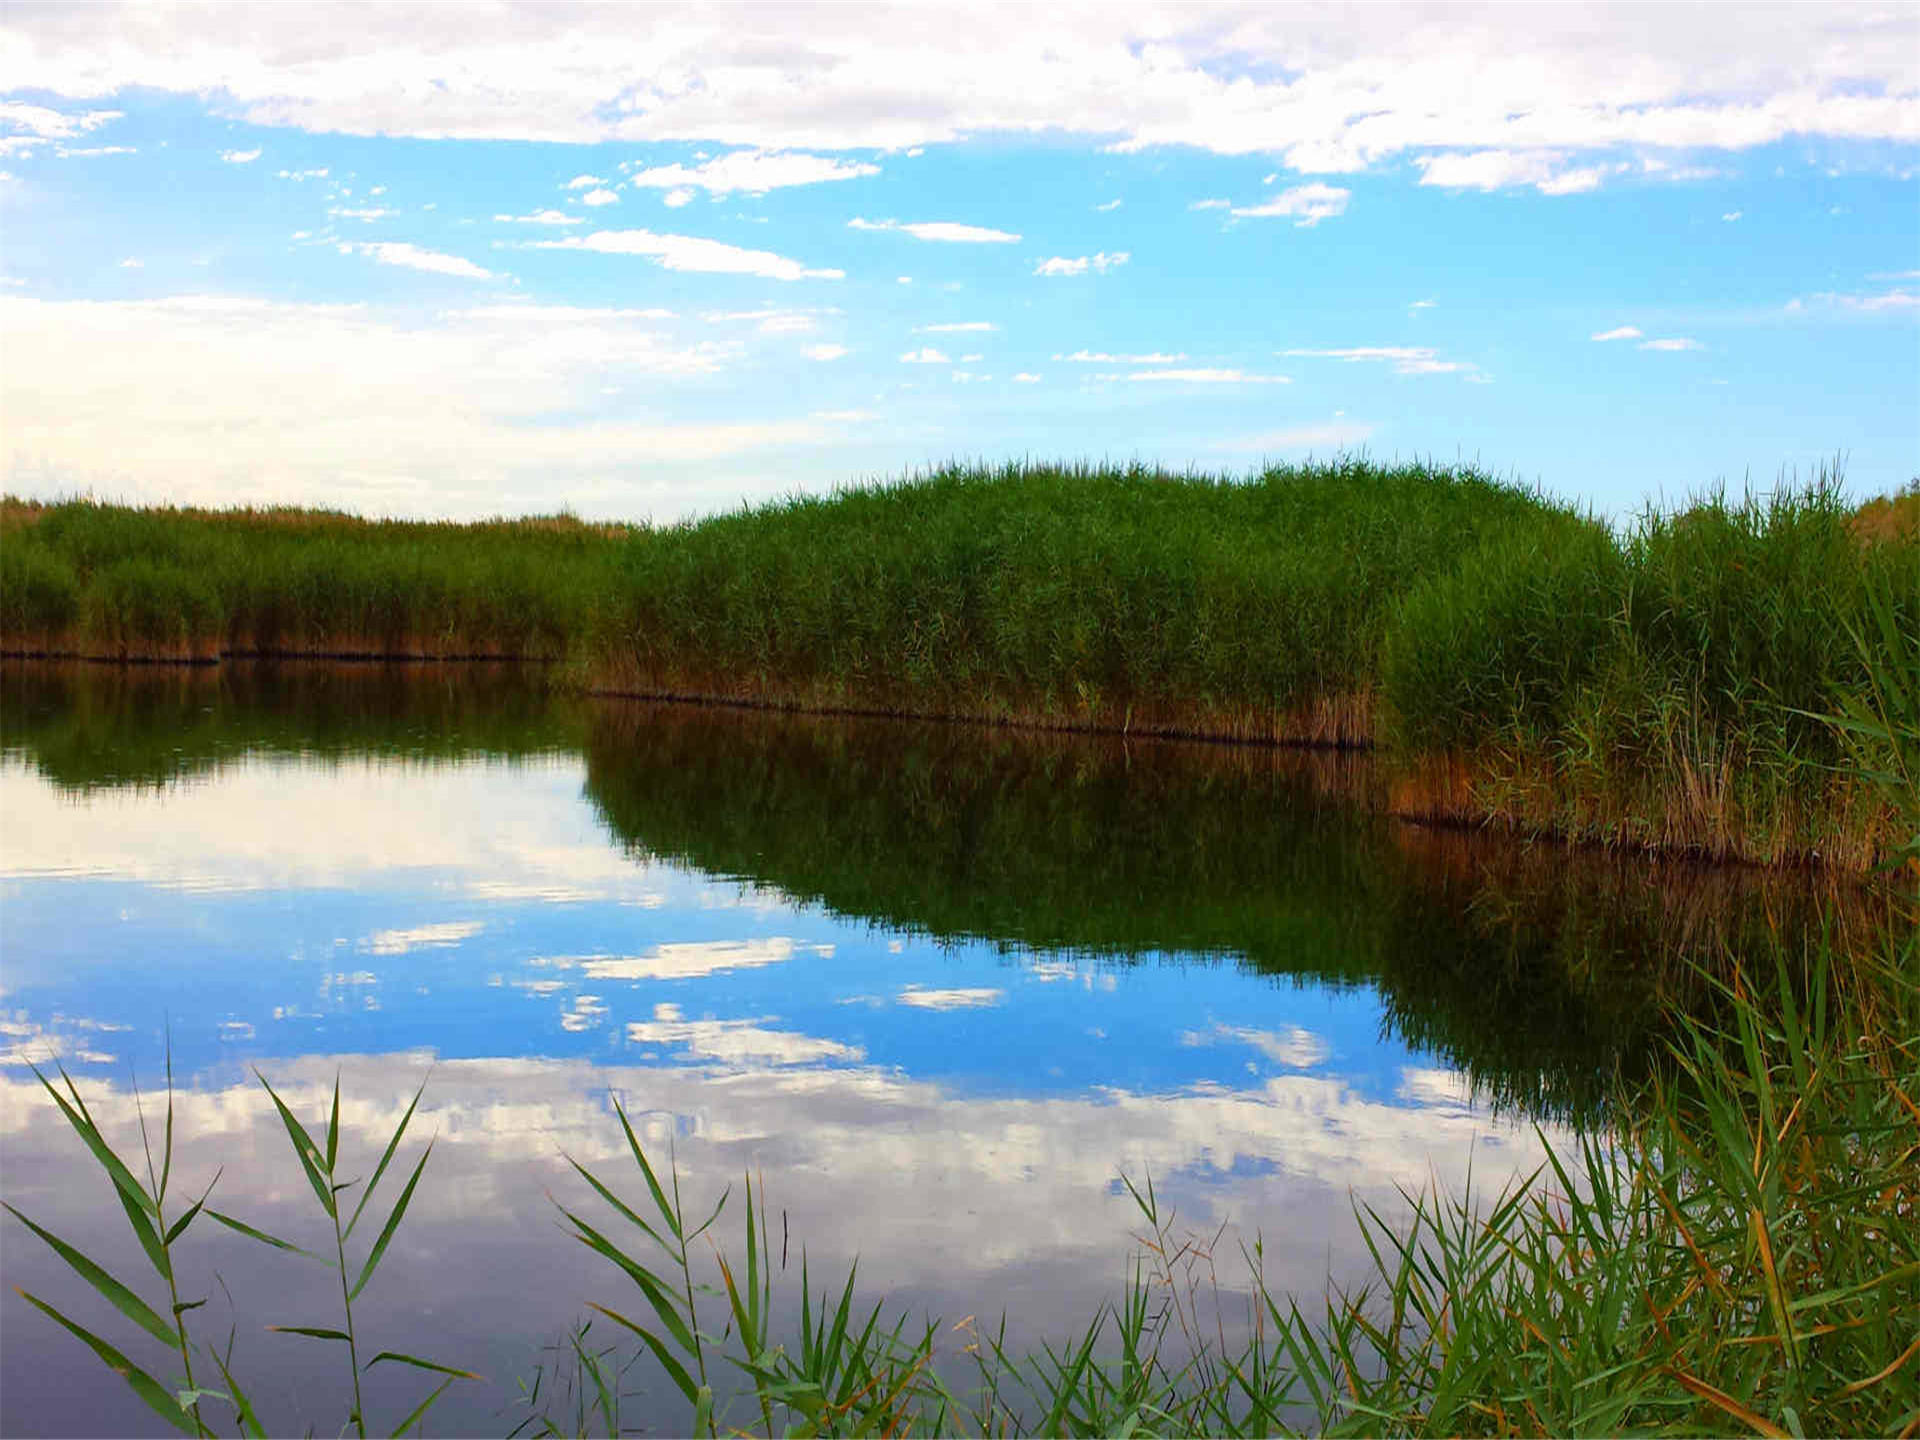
935, 987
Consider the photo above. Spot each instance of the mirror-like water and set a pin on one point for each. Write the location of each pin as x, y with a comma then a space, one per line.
938, 986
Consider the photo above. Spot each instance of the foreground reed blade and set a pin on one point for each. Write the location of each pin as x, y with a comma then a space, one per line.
320, 1161
145, 1209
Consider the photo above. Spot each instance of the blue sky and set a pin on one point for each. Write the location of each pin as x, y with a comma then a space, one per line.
462, 260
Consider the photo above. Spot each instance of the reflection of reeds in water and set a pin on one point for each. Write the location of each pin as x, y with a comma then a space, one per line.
1538, 971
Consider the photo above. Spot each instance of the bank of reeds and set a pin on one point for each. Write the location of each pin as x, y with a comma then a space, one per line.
1669, 688
109, 582
1523, 662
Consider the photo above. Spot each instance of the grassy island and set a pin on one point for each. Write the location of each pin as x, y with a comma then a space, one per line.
1514, 659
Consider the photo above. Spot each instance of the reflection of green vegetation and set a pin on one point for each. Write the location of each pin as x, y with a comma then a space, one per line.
1536, 971
86, 727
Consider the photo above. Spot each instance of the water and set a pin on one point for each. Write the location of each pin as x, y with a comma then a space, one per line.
935, 987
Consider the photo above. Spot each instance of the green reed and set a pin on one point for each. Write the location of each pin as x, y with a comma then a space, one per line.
1669, 687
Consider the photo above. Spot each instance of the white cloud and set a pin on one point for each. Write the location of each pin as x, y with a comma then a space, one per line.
1732, 215
1080, 265
1211, 205
542, 217
1674, 343
1307, 204
1110, 205
365, 213
423, 937
674, 199
320, 174
413, 257
738, 1044
1895, 301
1103, 357
925, 356
1423, 305
1210, 377
1405, 359
959, 327
1356, 87
752, 171
240, 157
681, 960
1546, 170
600, 197
772, 319
584, 182
131, 263
950, 231
825, 352
466, 412
1026, 377
1294, 1047
979, 997
692, 253
27, 127
1622, 332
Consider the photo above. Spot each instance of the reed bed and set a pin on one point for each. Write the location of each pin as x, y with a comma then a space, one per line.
1521, 661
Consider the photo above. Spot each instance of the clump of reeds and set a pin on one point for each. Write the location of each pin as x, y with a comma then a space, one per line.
1667, 689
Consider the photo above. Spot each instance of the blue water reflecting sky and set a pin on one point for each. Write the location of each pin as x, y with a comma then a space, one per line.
955, 1114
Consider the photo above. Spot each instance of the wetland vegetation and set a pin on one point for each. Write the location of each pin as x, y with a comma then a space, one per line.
1729, 1239
1516, 659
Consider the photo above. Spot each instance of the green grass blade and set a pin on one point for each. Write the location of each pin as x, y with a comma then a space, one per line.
149, 1237
303, 1146
385, 1158
618, 1204
653, 1184
250, 1425
393, 1224
264, 1238
123, 1299
676, 1372
144, 1385
312, 1332
166, 1153
179, 1227
333, 1125
82, 1123
419, 1411
419, 1364
658, 1296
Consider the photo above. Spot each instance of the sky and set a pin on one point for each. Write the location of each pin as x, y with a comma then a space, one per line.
655, 262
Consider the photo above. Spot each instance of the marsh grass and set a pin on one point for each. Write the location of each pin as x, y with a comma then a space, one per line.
1669, 689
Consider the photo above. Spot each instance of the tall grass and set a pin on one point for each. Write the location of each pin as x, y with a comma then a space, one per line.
1523, 662
1667, 690
87, 579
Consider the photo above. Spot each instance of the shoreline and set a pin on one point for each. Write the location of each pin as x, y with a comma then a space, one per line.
1405, 791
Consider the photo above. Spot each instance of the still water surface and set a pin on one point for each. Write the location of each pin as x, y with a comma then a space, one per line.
937, 986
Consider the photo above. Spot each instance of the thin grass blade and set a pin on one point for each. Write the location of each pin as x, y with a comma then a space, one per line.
123, 1299
158, 1398
393, 1224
